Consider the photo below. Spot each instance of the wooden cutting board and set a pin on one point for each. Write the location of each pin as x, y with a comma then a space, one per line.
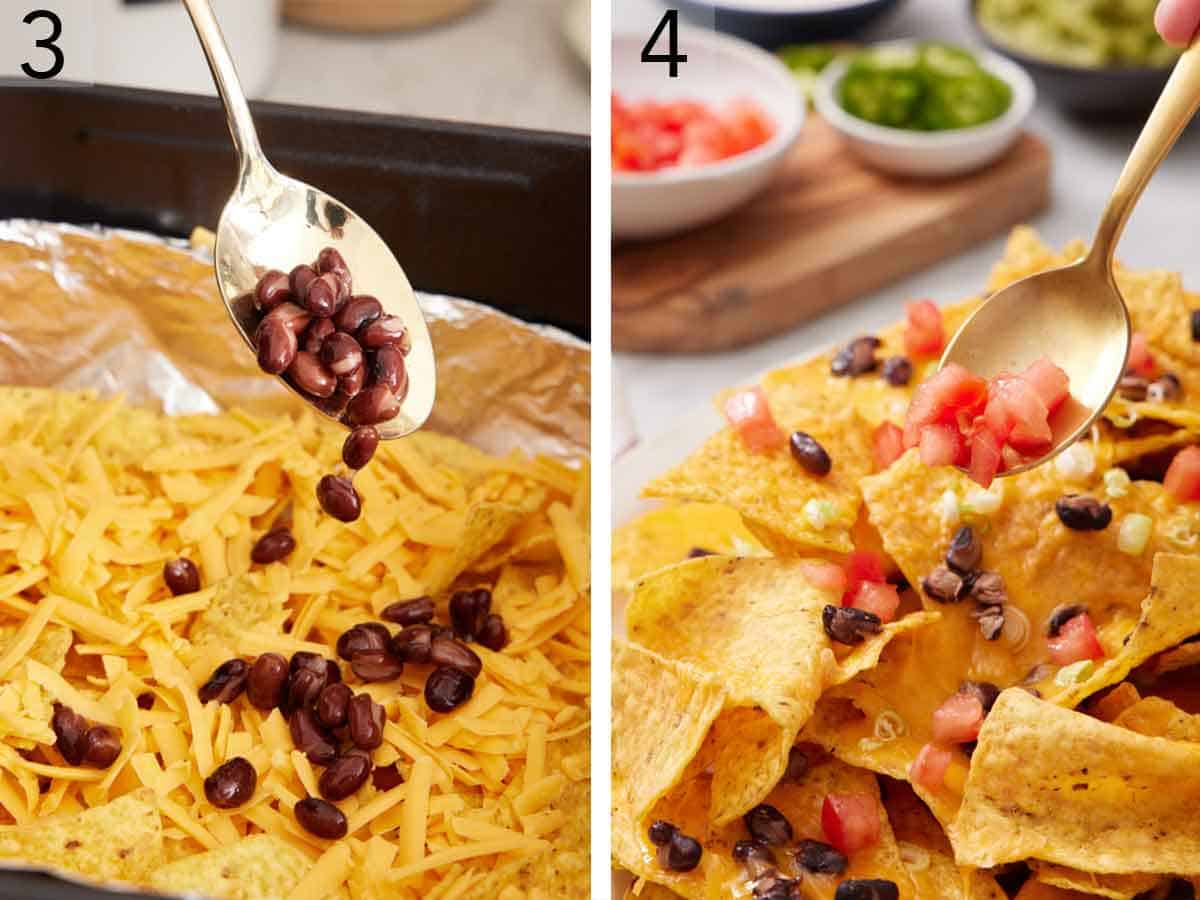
826, 231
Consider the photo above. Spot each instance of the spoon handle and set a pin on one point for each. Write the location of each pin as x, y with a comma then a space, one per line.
237, 111
1171, 114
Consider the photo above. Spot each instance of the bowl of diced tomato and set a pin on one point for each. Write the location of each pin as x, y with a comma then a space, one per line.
689, 150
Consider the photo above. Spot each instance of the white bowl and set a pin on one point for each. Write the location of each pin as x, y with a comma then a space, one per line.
929, 154
718, 69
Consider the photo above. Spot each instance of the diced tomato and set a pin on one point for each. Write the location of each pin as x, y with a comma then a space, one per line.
1076, 641
941, 445
958, 719
850, 821
746, 126
863, 566
923, 334
1140, 361
1048, 381
826, 576
940, 399
1183, 475
984, 450
1016, 411
649, 135
929, 768
887, 445
750, 415
876, 597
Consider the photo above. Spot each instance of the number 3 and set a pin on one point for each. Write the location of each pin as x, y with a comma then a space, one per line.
46, 43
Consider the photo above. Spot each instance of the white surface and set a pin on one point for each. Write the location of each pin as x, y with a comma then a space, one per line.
930, 153
1164, 232
720, 70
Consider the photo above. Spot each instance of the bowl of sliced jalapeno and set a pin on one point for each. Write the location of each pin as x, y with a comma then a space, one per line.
925, 109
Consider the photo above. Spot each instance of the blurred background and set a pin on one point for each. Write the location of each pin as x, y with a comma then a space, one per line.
520, 63
838, 236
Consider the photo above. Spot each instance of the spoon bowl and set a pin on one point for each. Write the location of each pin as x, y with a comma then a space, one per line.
276, 222
1073, 316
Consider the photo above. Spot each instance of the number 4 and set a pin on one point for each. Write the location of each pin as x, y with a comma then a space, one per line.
673, 57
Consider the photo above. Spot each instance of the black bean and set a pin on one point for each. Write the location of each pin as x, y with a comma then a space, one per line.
755, 856
333, 705
1165, 389
697, 552
277, 346
1133, 387
661, 832
341, 353
374, 405
344, 776
384, 778
810, 454
101, 746
413, 644
991, 621
849, 625
897, 371
1196, 325
447, 689
797, 765
226, 683
303, 689
338, 498
145, 700
382, 332
1080, 513
377, 665
389, 369
419, 610
181, 576
493, 635
231, 784
776, 887
315, 334
266, 681
768, 825
310, 738
309, 374
856, 358
330, 260
943, 585
867, 889
360, 446
350, 386
304, 659
469, 610
447, 651
273, 546
290, 315
1062, 614
816, 856
367, 719
69, 729
357, 312
272, 289
983, 691
322, 297
987, 589
301, 278
680, 854
364, 637
966, 552
322, 818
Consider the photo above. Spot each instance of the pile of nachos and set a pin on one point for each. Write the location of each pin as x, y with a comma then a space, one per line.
1020, 719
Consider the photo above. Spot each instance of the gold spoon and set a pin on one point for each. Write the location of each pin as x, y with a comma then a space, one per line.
276, 222
1074, 315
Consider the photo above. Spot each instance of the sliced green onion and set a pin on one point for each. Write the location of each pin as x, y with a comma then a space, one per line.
983, 502
820, 513
1125, 419
1134, 534
1116, 483
869, 745
1077, 462
1074, 673
889, 725
1180, 532
1015, 630
915, 859
948, 508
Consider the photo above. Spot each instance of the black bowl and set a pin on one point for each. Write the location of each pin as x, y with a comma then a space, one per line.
772, 28
1111, 92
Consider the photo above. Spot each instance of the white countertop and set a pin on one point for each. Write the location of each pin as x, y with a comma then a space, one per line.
1164, 232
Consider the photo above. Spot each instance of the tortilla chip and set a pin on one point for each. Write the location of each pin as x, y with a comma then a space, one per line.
486, 526
1037, 890
1181, 657
1156, 717
1169, 616
771, 490
754, 625
1052, 784
259, 867
49, 648
240, 603
119, 841
665, 536
1072, 882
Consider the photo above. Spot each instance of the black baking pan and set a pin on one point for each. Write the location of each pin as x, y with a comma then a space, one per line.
491, 214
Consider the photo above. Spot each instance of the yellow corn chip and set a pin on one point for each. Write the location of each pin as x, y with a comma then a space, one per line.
259, 867
1072, 881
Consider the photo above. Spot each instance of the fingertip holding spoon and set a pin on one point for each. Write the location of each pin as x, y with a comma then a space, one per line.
1074, 315
275, 222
